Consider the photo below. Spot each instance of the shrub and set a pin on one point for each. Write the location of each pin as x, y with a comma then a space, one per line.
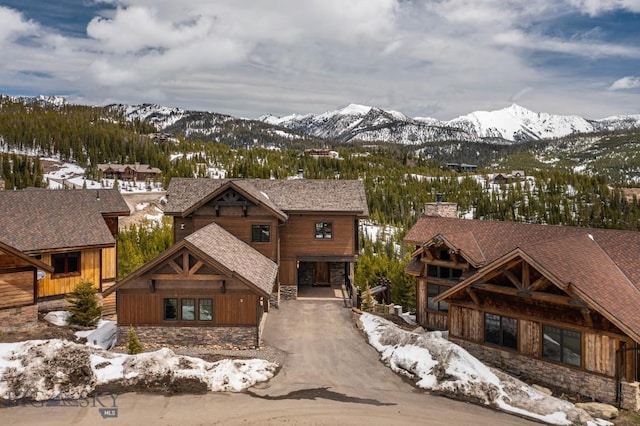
133, 344
368, 302
85, 309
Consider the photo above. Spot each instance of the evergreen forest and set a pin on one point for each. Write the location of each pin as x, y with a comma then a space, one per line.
577, 181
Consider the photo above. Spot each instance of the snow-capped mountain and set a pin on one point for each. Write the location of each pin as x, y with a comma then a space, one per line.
364, 123
515, 123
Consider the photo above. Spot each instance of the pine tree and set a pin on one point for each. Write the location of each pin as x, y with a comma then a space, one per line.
133, 344
85, 309
368, 303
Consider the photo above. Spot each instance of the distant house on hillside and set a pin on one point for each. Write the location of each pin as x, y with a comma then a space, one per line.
19, 287
73, 231
132, 172
462, 167
322, 153
557, 305
241, 245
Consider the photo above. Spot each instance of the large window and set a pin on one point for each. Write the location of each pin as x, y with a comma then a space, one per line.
260, 233
434, 290
501, 331
323, 230
187, 309
205, 309
171, 309
66, 263
443, 272
562, 345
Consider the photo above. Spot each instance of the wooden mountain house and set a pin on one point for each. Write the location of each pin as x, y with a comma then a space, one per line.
555, 305
240, 245
308, 227
73, 231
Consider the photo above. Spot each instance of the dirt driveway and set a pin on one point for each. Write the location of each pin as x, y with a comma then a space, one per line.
331, 376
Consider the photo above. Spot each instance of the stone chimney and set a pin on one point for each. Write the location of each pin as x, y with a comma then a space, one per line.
440, 208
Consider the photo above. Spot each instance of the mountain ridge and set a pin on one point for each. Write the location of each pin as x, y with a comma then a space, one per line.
356, 122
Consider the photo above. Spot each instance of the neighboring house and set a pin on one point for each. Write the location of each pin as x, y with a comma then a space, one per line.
209, 288
308, 227
129, 172
73, 231
462, 167
556, 305
19, 287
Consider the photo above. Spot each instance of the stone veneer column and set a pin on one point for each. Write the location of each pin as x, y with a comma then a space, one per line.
288, 292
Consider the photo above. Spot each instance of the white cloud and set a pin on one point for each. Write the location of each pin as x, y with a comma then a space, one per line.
625, 83
13, 25
247, 58
596, 7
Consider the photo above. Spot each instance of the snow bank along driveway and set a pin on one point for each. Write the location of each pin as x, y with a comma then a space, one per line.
58, 369
443, 367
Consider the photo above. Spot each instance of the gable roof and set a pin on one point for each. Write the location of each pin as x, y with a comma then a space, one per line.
245, 188
288, 196
144, 168
216, 246
599, 266
6, 248
39, 219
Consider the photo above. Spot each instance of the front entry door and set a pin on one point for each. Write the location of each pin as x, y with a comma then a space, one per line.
321, 273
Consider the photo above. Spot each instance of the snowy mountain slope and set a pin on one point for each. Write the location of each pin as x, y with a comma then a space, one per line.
365, 123
359, 122
515, 124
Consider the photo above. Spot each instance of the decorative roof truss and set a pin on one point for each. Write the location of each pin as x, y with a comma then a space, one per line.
518, 278
230, 197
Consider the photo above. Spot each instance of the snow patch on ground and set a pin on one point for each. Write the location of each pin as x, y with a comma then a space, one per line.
45, 369
59, 318
445, 368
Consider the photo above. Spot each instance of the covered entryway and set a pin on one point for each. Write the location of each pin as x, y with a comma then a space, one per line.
323, 272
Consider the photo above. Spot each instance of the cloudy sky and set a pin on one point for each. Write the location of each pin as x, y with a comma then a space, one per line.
437, 58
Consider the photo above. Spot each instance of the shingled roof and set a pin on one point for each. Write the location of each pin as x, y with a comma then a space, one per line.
39, 220
222, 250
296, 195
601, 266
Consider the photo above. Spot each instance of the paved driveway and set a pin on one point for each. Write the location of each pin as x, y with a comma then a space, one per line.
331, 376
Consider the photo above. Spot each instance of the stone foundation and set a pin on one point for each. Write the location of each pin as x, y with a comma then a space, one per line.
12, 319
305, 273
226, 337
568, 380
336, 273
274, 299
288, 292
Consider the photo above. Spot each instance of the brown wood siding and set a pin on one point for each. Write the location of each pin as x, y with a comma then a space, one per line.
178, 224
139, 307
109, 302
240, 227
9, 261
288, 272
297, 237
600, 353
421, 301
466, 323
16, 289
437, 320
108, 264
529, 335
89, 270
